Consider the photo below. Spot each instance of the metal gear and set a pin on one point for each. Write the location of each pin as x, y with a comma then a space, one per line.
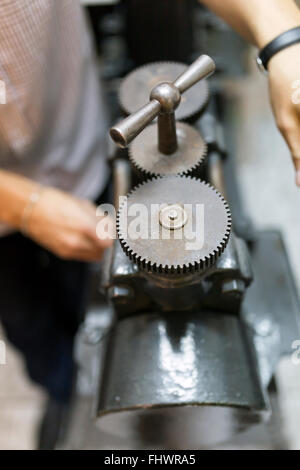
136, 87
174, 225
148, 161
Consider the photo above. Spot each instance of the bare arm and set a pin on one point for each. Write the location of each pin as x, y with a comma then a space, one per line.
60, 222
260, 21
15, 192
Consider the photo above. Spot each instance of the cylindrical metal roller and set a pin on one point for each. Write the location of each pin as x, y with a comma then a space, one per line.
179, 381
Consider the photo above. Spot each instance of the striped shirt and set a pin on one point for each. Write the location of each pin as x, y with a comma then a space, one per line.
52, 127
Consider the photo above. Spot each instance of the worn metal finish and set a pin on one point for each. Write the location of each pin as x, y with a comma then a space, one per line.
177, 362
136, 87
267, 325
148, 161
121, 179
271, 305
153, 292
216, 172
121, 293
168, 95
125, 131
167, 135
201, 68
165, 98
195, 343
233, 287
200, 337
196, 247
173, 217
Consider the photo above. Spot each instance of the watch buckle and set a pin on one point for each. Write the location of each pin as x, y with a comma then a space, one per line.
261, 66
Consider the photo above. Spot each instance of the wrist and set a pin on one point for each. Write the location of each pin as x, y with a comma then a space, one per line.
29, 208
281, 43
15, 191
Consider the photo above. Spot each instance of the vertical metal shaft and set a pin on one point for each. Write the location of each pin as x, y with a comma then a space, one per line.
216, 172
167, 138
121, 179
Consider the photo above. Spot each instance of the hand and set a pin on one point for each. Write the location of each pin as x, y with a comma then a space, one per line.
284, 78
66, 226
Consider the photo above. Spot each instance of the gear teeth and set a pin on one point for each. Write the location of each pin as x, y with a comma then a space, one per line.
198, 265
195, 170
186, 116
143, 174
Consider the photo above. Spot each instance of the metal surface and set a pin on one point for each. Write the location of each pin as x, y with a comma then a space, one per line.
136, 87
193, 427
178, 364
225, 362
271, 308
165, 98
216, 173
154, 248
121, 179
124, 132
167, 135
148, 161
169, 98
201, 68
191, 356
173, 217
199, 291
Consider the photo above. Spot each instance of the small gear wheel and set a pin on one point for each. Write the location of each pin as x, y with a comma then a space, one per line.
174, 225
148, 161
136, 87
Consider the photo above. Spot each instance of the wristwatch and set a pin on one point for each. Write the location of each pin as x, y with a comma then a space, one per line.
284, 40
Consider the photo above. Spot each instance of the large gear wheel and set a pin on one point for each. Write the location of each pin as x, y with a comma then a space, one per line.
148, 161
136, 87
174, 225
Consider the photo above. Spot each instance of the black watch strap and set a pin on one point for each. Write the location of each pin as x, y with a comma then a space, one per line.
284, 40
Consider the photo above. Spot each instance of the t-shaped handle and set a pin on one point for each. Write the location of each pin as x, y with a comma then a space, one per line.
164, 99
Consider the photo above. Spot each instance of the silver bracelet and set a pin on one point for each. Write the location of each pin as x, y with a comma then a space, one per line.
32, 201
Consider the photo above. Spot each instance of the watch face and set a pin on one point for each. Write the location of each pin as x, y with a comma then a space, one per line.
260, 65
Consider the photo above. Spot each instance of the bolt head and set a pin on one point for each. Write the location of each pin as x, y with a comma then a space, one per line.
173, 217
167, 95
120, 293
233, 286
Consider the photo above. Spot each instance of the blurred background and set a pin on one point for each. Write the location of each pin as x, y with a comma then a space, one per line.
264, 174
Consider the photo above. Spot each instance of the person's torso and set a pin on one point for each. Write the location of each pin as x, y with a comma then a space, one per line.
52, 127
